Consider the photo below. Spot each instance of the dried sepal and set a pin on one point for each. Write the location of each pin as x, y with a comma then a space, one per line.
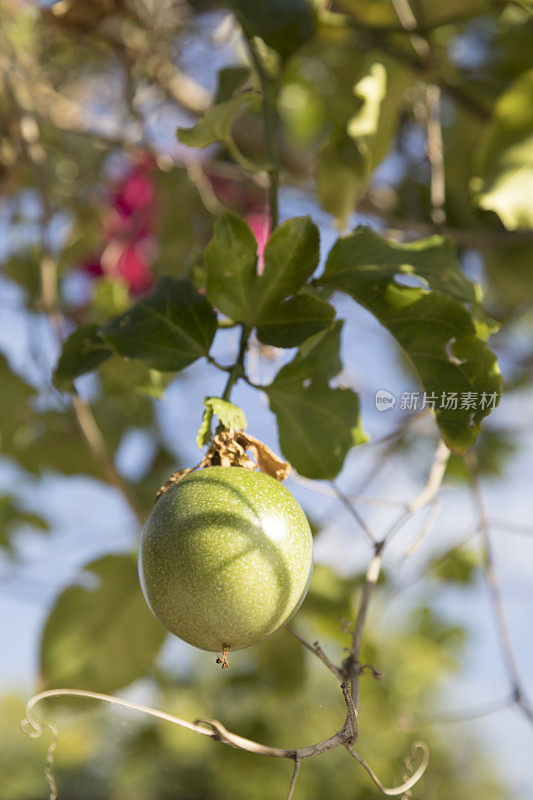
231, 448
267, 460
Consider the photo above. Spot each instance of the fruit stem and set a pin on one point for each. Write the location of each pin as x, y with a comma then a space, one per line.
237, 371
224, 660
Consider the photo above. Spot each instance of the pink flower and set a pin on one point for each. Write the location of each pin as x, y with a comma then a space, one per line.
131, 226
128, 246
135, 269
259, 222
93, 265
134, 193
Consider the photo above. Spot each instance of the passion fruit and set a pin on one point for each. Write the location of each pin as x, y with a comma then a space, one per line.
225, 558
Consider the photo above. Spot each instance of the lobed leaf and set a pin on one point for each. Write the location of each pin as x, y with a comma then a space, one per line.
431, 324
235, 287
291, 322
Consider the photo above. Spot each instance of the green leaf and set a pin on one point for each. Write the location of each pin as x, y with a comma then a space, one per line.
216, 125
291, 256
230, 416
231, 262
83, 351
506, 157
101, 639
317, 424
204, 431
233, 284
284, 25
290, 323
431, 324
12, 516
169, 329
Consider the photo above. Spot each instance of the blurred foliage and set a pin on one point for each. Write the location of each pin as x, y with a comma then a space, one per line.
458, 567
81, 614
94, 183
265, 695
494, 450
13, 516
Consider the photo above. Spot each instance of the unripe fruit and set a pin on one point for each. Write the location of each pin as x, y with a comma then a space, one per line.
225, 558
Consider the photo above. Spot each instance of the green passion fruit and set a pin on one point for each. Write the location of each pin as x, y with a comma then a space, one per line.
225, 558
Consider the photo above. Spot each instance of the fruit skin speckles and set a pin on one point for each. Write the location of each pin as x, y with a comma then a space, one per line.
226, 558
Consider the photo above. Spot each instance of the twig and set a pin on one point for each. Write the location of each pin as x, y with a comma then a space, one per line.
237, 370
478, 712
353, 511
351, 663
217, 731
357, 499
435, 154
428, 492
316, 649
404, 787
273, 171
98, 447
397, 589
351, 723
513, 527
206, 727
498, 608
425, 496
434, 511
294, 778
